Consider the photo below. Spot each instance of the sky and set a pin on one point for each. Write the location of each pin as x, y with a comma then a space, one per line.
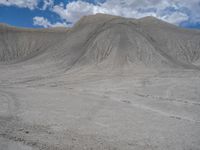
56, 13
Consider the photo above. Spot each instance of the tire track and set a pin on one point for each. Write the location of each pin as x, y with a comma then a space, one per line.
183, 101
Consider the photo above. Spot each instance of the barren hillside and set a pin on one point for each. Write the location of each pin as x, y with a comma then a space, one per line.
106, 40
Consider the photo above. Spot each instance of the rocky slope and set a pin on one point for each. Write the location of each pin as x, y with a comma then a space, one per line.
105, 40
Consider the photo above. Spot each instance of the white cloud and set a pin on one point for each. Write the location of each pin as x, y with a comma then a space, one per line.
41, 21
75, 10
177, 10
176, 18
47, 3
31, 4
181, 10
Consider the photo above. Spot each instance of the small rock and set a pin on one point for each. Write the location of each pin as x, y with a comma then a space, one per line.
27, 132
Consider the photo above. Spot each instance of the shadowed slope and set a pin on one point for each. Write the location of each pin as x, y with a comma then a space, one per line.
181, 44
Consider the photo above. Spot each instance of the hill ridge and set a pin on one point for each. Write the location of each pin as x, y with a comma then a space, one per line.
107, 40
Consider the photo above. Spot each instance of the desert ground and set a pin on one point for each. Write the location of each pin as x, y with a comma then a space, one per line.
108, 83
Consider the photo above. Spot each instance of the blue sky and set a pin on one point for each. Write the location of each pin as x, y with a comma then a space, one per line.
52, 13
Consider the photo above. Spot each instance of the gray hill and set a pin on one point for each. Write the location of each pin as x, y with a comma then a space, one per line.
108, 41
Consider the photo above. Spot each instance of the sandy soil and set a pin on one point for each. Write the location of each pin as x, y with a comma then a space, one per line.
91, 111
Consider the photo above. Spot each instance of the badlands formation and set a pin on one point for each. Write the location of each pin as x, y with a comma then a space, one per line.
107, 83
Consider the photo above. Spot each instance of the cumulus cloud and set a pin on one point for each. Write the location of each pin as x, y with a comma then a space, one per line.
41, 21
173, 11
31, 4
74, 10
